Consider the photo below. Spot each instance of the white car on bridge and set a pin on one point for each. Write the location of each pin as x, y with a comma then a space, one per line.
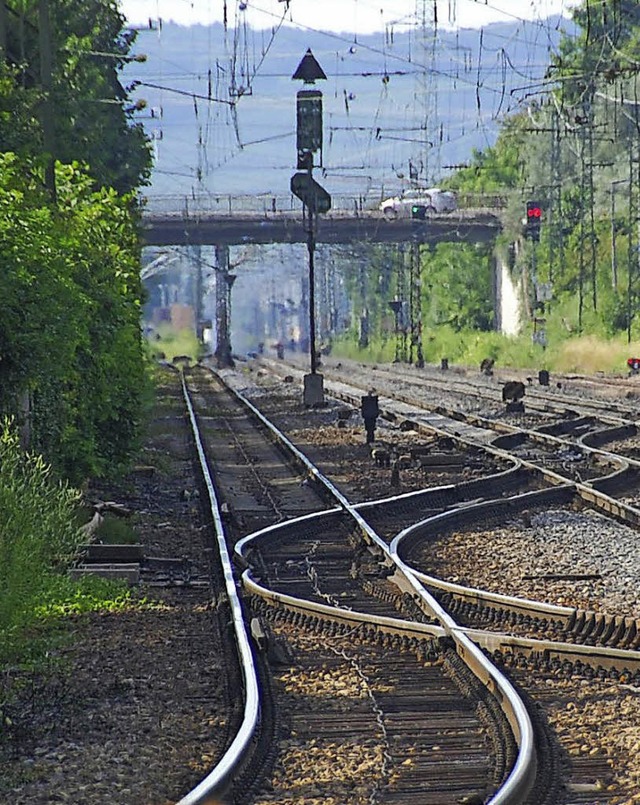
431, 200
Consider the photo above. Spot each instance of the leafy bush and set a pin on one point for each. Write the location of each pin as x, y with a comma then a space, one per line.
38, 536
70, 341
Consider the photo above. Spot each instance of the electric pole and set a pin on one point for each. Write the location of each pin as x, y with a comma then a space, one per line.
46, 80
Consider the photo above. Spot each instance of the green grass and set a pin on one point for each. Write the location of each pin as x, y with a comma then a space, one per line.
86, 594
115, 530
564, 353
39, 542
170, 343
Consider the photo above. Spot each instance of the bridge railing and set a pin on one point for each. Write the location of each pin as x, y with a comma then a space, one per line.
481, 201
271, 204
263, 204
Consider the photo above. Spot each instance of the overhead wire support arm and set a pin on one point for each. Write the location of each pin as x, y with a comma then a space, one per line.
185, 92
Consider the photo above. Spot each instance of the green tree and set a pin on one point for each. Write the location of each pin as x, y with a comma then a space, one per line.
498, 168
92, 114
457, 288
605, 50
70, 298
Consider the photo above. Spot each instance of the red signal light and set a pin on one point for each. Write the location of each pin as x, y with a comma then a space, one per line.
533, 221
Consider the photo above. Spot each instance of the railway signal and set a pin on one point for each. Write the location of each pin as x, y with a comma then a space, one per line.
533, 220
312, 194
315, 198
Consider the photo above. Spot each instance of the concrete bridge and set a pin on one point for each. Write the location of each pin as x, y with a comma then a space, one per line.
227, 221
231, 221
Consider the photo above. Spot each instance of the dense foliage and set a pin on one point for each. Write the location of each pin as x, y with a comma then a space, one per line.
72, 369
71, 358
69, 75
70, 344
401, 296
576, 150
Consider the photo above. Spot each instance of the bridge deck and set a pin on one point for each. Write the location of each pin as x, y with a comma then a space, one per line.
463, 226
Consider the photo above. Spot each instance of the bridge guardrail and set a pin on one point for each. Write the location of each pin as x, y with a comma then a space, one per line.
272, 204
267, 204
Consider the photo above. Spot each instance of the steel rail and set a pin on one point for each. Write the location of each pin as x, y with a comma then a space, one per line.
517, 786
369, 533
535, 400
495, 640
451, 518
610, 434
353, 617
221, 772
619, 463
520, 780
542, 403
515, 789
458, 496
593, 656
587, 490
346, 392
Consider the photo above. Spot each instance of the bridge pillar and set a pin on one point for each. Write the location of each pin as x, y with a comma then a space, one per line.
507, 297
415, 306
224, 283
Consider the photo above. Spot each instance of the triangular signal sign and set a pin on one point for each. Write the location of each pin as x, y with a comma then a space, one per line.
309, 70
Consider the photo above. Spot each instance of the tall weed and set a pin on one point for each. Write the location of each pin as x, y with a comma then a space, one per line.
566, 352
38, 536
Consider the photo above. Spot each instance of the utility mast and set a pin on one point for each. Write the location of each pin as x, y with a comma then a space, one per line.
424, 165
424, 169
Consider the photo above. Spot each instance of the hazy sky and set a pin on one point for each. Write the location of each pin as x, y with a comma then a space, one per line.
352, 16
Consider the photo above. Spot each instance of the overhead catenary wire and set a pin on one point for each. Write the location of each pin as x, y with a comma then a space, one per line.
448, 72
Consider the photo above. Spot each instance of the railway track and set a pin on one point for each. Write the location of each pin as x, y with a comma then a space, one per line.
582, 460
335, 566
567, 397
591, 626
320, 574
376, 652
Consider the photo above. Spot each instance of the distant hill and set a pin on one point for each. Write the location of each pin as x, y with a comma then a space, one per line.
396, 107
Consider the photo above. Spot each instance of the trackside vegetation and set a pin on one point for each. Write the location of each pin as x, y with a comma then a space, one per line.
575, 152
73, 367
71, 357
38, 542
